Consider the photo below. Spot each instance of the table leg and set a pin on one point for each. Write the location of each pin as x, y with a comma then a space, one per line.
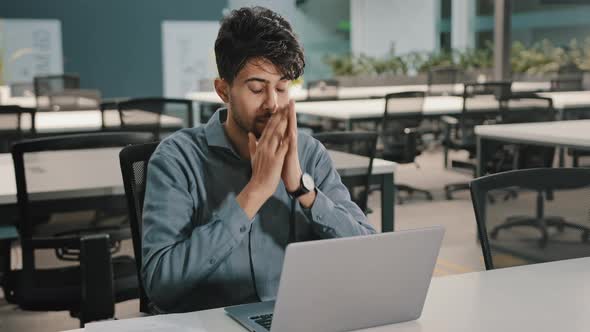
387, 202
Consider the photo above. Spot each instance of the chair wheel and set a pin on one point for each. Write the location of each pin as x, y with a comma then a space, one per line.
449, 196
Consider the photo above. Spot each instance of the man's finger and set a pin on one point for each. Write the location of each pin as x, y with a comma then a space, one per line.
251, 144
270, 125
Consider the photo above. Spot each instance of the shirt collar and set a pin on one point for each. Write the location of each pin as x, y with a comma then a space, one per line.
215, 132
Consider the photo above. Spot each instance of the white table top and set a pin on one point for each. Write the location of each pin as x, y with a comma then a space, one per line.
545, 297
568, 99
369, 91
80, 121
31, 101
49, 177
433, 105
574, 134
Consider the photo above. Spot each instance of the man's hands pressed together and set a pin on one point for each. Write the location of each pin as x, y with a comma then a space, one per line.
274, 157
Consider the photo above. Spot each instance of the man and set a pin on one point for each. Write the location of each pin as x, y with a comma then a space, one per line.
218, 200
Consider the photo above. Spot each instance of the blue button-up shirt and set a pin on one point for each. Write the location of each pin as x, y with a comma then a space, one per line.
196, 236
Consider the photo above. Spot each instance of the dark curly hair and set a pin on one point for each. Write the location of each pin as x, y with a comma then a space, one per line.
257, 32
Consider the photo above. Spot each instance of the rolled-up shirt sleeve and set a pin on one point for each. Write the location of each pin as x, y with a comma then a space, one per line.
333, 213
176, 255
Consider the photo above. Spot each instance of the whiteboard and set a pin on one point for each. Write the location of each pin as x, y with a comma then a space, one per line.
189, 56
28, 48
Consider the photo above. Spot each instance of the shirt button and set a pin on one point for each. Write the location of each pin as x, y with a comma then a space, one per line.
212, 261
319, 217
243, 229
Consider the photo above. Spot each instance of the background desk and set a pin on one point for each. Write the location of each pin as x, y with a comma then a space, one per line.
563, 134
350, 111
105, 179
545, 297
365, 92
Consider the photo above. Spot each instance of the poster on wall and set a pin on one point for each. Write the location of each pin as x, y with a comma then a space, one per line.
189, 57
28, 48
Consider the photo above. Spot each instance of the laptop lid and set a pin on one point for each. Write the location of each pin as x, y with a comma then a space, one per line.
356, 282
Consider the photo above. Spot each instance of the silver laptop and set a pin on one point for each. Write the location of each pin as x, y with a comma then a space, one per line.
349, 283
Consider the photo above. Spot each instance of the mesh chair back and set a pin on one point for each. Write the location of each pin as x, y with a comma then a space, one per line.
402, 116
72, 99
533, 216
134, 165
567, 84
66, 188
358, 143
569, 78
481, 102
52, 84
11, 125
22, 89
323, 90
156, 115
442, 80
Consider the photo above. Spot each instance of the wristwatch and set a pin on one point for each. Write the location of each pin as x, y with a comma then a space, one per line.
306, 185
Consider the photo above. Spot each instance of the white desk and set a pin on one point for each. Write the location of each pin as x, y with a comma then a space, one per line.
366, 92
545, 297
101, 176
564, 134
81, 121
349, 111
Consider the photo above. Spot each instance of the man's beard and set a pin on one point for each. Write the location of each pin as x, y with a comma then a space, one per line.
256, 126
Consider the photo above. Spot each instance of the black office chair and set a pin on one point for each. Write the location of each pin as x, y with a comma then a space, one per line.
147, 114
400, 134
74, 99
548, 220
80, 228
323, 90
11, 125
22, 89
359, 143
442, 80
46, 85
134, 166
569, 78
482, 103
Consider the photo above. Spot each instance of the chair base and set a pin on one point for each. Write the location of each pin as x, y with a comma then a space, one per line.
454, 187
542, 225
411, 190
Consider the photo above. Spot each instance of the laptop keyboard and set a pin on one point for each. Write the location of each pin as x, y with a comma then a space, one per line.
263, 320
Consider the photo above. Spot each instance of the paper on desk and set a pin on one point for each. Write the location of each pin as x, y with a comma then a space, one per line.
173, 322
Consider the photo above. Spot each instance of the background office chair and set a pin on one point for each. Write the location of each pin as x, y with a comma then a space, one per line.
481, 104
86, 288
46, 85
145, 114
400, 136
359, 143
11, 125
323, 90
569, 78
134, 166
442, 80
22, 89
547, 221
74, 99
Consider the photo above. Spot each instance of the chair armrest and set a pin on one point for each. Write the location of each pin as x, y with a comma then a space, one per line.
97, 285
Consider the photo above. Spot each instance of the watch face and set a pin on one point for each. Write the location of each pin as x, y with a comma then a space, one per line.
308, 182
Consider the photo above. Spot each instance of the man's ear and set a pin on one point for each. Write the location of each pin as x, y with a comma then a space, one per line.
222, 89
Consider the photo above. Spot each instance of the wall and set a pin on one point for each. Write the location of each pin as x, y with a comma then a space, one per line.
379, 25
316, 24
115, 45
